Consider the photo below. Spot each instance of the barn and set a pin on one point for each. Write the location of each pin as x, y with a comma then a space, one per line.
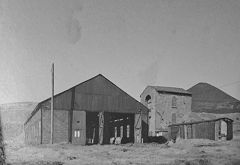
91, 112
217, 129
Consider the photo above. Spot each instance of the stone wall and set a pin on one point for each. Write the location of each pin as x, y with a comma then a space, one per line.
162, 112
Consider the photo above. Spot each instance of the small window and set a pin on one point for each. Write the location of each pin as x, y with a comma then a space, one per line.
148, 101
174, 102
77, 134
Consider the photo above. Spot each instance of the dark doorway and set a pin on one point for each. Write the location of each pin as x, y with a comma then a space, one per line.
101, 127
119, 125
92, 128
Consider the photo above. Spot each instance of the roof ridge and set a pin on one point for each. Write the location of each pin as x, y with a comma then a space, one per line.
170, 89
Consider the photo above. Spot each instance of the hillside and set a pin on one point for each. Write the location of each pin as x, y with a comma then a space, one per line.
209, 99
13, 116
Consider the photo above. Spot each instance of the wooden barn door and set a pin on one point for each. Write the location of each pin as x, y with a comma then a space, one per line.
101, 127
138, 128
79, 127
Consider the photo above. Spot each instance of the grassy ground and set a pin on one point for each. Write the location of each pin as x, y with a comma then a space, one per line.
184, 152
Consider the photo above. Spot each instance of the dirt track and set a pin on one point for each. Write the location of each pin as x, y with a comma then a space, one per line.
188, 152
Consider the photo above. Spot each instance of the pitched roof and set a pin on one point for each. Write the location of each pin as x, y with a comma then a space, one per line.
133, 101
170, 90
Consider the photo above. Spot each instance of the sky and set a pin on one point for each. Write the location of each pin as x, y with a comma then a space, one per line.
135, 43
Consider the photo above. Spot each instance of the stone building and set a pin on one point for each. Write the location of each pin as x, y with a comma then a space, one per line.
167, 106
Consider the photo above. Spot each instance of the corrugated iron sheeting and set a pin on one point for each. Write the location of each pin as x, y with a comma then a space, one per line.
205, 130
96, 94
100, 94
200, 130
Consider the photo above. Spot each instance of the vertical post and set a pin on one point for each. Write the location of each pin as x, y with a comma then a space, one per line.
185, 131
52, 102
101, 127
70, 117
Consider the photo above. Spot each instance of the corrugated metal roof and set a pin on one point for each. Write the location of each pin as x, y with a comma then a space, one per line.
203, 121
96, 94
170, 90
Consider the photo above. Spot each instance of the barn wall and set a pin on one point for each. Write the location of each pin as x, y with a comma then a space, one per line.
217, 129
33, 130
60, 126
100, 102
203, 130
63, 101
100, 95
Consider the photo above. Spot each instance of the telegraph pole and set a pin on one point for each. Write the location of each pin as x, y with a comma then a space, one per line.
52, 102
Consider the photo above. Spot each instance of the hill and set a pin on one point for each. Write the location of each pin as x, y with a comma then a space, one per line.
209, 99
13, 116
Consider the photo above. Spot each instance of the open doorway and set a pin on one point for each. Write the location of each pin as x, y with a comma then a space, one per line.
102, 127
121, 126
92, 128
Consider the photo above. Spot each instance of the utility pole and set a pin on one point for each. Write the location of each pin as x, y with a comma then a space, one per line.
52, 102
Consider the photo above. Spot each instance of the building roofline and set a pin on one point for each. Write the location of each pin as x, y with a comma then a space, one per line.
38, 105
187, 93
203, 121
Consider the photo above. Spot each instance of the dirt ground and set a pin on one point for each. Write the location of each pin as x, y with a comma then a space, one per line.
183, 152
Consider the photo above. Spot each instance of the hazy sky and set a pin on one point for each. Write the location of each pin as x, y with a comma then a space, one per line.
133, 43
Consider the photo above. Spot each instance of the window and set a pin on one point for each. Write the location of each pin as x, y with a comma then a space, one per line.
77, 134
159, 134
148, 101
149, 104
174, 102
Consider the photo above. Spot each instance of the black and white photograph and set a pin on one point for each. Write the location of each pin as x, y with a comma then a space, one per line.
119, 82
